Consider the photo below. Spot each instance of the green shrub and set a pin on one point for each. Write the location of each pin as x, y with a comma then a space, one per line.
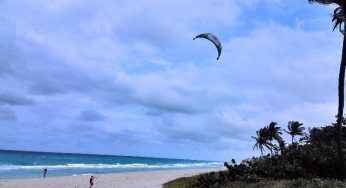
306, 183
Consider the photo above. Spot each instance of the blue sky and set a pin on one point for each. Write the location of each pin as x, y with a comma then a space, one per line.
126, 78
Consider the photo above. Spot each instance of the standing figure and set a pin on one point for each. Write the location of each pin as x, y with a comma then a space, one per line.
91, 181
44, 173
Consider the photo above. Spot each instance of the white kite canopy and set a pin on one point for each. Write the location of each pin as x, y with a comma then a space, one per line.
213, 39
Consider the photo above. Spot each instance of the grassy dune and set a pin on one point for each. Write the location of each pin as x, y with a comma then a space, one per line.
309, 183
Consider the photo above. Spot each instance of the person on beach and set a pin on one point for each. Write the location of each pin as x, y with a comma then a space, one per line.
44, 173
91, 181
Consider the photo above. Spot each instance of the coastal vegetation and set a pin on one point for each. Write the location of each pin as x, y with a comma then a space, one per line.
310, 161
312, 183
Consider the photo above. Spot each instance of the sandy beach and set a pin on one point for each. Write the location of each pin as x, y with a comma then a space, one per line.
120, 180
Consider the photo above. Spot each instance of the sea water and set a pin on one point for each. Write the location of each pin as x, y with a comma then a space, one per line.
24, 164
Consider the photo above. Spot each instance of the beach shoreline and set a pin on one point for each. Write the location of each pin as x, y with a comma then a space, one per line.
146, 179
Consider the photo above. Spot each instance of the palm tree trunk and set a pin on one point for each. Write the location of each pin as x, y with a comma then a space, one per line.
339, 120
292, 140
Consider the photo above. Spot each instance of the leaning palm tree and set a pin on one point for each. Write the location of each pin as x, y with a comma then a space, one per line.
274, 132
339, 19
262, 140
295, 129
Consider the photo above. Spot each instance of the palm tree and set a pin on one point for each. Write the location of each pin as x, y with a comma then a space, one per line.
295, 128
339, 19
274, 132
262, 140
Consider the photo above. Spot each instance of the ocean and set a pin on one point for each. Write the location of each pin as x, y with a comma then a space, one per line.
24, 164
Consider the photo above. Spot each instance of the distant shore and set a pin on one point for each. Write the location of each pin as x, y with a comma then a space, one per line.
150, 179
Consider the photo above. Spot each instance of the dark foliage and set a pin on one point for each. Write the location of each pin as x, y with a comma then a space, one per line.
339, 14
339, 2
262, 140
295, 129
314, 156
266, 136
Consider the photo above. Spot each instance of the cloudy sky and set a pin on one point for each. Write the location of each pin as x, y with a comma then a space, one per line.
126, 78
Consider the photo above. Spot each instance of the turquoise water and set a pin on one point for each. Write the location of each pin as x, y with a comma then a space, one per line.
20, 164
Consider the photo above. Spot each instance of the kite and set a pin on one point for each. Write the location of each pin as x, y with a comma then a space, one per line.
214, 40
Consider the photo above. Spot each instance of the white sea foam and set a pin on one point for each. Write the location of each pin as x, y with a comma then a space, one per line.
113, 166
88, 174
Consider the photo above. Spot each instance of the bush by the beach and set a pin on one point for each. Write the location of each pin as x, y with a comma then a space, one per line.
184, 182
309, 162
308, 183
314, 156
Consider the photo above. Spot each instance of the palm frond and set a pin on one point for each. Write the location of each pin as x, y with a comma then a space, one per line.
255, 146
339, 18
326, 2
268, 146
288, 131
339, 14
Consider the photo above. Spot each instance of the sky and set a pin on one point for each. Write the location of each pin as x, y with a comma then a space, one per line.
126, 78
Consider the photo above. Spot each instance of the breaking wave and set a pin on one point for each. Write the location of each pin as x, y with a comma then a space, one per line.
114, 166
